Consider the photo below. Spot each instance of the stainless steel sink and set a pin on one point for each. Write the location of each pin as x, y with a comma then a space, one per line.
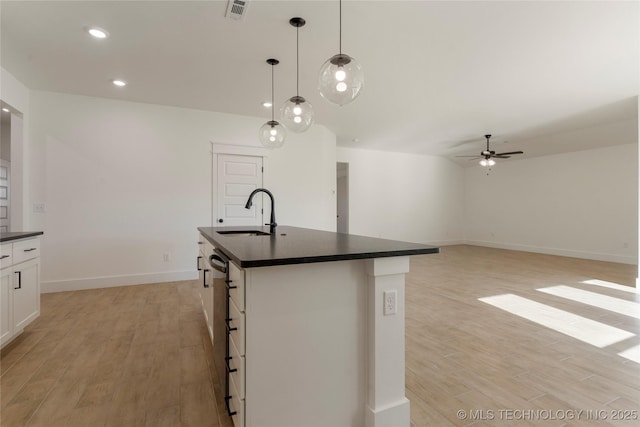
243, 233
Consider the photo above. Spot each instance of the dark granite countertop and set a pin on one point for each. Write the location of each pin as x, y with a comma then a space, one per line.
15, 235
293, 245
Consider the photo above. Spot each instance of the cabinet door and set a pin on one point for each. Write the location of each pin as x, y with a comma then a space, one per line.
6, 305
26, 293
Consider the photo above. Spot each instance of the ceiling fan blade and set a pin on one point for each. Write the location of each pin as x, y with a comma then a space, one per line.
468, 156
498, 156
509, 153
475, 158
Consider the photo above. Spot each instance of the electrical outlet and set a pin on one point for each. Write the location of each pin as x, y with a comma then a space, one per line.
390, 302
166, 257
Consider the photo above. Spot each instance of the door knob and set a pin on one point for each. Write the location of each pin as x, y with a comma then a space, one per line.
221, 220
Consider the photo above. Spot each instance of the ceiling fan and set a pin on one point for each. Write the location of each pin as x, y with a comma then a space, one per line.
487, 155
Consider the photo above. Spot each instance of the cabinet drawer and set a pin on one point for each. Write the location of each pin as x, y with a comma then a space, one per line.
236, 287
201, 242
236, 404
236, 327
6, 253
26, 249
236, 362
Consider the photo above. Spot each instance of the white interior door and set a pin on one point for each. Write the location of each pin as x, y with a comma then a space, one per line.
237, 177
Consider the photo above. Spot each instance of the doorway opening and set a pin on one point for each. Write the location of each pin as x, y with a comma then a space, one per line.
342, 197
10, 168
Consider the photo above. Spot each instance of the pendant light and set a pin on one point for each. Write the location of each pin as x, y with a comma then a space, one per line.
272, 133
297, 112
341, 77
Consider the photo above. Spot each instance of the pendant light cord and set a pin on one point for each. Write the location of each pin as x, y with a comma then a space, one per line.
340, 27
272, 97
297, 61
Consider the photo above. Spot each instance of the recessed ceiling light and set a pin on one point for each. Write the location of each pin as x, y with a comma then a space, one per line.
98, 33
6, 110
119, 83
267, 104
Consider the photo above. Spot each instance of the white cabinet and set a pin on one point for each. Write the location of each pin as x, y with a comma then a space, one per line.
205, 274
19, 287
26, 293
236, 354
6, 308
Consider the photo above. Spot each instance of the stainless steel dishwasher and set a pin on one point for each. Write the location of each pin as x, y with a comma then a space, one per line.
221, 284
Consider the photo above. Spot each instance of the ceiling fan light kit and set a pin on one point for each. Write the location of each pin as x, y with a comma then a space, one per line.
486, 156
297, 112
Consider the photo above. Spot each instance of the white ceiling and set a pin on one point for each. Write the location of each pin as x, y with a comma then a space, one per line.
438, 75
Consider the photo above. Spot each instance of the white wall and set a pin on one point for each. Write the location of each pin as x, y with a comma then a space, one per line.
582, 204
124, 183
5, 137
302, 178
405, 197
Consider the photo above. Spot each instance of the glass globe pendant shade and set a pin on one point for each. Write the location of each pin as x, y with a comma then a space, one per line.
484, 162
341, 79
272, 134
297, 114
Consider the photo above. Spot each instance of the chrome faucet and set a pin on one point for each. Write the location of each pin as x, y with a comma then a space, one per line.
272, 225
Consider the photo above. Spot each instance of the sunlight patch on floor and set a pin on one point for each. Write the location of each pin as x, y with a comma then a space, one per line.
611, 285
617, 305
632, 354
578, 327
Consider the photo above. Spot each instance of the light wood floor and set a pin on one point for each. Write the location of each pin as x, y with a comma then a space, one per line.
139, 355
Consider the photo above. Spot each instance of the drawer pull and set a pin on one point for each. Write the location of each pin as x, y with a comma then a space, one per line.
228, 285
198, 263
4, 256
226, 400
19, 273
227, 363
229, 326
29, 250
204, 278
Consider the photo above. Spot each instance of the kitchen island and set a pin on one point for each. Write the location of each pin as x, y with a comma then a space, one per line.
314, 327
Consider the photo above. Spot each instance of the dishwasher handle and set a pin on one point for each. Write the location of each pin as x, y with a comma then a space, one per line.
218, 263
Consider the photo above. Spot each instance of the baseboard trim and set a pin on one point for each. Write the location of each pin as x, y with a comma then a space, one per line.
444, 242
623, 259
115, 281
396, 414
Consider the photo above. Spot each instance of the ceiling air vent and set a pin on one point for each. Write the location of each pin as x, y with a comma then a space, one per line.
236, 9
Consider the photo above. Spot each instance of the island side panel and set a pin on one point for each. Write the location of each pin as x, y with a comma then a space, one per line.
306, 339
387, 405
